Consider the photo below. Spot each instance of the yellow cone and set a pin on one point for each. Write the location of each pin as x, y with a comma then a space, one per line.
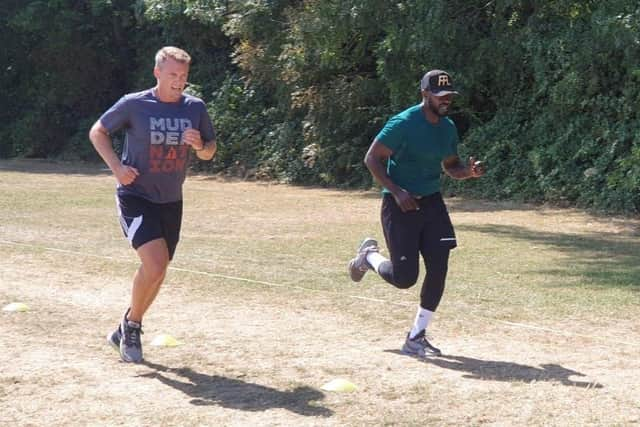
15, 306
339, 385
164, 340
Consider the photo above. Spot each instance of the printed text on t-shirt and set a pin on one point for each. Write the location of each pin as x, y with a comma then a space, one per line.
167, 151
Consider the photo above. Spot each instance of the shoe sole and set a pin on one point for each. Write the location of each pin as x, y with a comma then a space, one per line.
355, 274
130, 360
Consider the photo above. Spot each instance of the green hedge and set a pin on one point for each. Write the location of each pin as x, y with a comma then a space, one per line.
298, 89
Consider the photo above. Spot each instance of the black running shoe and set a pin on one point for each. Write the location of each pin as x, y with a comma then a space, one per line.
130, 344
419, 346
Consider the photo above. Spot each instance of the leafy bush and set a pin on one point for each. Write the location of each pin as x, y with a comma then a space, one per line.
298, 89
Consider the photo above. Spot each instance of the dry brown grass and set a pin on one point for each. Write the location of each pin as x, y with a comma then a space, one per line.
539, 323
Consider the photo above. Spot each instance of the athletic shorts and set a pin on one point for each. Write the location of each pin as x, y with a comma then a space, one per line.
143, 221
421, 231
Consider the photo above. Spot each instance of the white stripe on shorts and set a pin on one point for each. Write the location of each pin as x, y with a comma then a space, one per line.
129, 230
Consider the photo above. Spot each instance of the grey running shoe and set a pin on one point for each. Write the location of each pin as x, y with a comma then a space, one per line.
419, 346
130, 345
359, 265
114, 338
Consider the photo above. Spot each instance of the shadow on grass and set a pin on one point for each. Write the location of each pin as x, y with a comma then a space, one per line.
237, 394
607, 259
491, 370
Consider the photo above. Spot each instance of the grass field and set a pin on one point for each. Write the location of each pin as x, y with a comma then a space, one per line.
540, 321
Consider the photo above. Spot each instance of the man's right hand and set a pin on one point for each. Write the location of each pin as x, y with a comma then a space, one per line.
126, 174
378, 154
101, 140
405, 201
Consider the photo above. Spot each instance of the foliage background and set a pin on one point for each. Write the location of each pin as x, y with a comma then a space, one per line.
298, 89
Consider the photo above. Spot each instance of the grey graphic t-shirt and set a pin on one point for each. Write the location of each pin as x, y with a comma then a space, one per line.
153, 141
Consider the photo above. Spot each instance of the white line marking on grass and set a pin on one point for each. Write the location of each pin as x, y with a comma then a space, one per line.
281, 285
404, 304
239, 279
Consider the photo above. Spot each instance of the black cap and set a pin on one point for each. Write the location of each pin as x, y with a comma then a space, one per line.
438, 82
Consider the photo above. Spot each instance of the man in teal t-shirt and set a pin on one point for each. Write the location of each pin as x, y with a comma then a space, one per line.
416, 145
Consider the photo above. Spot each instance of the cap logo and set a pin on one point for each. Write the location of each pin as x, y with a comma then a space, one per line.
443, 80
438, 83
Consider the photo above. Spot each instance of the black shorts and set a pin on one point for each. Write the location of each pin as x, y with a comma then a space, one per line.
143, 221
422, 231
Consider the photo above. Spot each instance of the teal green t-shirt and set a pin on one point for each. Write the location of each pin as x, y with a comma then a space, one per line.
419, 148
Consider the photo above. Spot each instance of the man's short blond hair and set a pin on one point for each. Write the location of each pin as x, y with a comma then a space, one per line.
174, 53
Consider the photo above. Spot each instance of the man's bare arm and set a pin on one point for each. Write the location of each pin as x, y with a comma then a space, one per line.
101, 140
375, 158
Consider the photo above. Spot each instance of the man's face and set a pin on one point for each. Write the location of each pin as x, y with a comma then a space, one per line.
439, 105
172, 78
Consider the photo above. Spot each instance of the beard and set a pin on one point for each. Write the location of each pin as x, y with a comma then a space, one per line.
441, 111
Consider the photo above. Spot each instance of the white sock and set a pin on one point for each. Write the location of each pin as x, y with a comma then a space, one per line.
375, 259
423, 317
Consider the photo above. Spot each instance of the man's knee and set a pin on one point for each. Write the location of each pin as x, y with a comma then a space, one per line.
404, 279
155, 260
154, 271
399, 277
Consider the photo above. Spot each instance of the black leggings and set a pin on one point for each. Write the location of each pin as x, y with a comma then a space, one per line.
427, 232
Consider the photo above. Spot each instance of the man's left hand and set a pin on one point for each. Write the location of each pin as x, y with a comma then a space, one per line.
476, 167
192, 137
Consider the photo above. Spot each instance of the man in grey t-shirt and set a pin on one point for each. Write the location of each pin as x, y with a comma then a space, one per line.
160, 125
